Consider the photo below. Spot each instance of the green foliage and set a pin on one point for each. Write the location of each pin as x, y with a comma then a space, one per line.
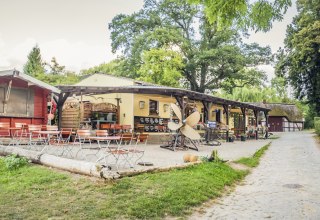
35, 65
42, 193
299, 61
317, 127
57, 74
257, 15
55, 68
161, 66
14, 162
255, 94
114, 67
212, 57
254, 160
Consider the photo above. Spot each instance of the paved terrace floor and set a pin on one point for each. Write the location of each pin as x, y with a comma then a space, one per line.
163, 157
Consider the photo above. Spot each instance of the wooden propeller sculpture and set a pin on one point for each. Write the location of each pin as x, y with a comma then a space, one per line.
184, 129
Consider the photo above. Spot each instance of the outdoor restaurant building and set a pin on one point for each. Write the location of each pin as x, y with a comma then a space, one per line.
108, 99
24, 99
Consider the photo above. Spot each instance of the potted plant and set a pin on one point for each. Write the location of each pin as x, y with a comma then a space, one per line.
243, 137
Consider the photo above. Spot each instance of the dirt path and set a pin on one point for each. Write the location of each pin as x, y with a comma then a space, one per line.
286, 184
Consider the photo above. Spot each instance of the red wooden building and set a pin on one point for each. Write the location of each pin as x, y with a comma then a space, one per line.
24, 98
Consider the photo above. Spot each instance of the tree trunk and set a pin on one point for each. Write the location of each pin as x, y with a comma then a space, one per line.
74, 166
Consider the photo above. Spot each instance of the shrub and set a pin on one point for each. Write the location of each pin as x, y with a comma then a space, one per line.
14, 162
317, 127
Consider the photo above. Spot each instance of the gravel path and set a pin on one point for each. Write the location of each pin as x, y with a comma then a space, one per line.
286, 184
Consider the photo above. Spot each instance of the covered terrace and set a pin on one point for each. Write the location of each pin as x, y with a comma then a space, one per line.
206, 99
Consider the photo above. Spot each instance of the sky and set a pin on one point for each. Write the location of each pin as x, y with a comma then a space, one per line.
76, 32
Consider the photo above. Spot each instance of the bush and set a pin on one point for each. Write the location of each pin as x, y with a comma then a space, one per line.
317, 127
316, 119
14, 162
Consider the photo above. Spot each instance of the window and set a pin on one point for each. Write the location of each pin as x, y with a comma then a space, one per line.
153, 107
218, 115
18, 100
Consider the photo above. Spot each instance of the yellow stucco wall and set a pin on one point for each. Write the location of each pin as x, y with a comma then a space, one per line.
145, 111
126, 104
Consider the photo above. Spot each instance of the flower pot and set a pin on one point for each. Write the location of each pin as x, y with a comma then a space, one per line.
243, 138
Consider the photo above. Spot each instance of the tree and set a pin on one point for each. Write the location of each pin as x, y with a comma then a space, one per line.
299, 61
34, 65
113, 67
210, 56
55, 68
161, 66
257, 15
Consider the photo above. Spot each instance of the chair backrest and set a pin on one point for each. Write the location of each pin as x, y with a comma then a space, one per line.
83, 133
143, 138
117, 126
4, 129
4, 125
34, 127
19, 124
101, 133
105, 126
51, 128
126, 127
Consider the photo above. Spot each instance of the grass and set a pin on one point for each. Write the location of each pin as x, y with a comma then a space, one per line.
254, 160
36, 192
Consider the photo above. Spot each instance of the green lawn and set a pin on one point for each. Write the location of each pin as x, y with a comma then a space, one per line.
35, 192
254, 160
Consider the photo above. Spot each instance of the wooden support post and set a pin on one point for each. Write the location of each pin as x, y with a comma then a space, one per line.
267, 123
255, 112
118, 111
243, 110
180, 101
226, 110
205, 111
62, 99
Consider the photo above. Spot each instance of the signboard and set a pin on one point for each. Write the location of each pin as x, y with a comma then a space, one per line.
151, 124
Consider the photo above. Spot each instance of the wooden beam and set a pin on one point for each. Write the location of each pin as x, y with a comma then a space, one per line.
226, 109
62, 99
255, 112
243, 110
267, 122
205, 111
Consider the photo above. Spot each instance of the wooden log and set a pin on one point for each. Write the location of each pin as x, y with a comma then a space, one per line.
74, 166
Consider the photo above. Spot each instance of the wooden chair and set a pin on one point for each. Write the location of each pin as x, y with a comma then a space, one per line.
34, 138
128, 138
83, 137
64, 141
126, 128
136, 153
4, 131
102, 133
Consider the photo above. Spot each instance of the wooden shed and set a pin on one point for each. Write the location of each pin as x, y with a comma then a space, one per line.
284, 117
23, 98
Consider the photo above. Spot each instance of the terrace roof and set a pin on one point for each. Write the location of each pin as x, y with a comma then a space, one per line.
29, 79
154, 89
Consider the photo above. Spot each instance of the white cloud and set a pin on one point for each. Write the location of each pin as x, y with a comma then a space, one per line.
74, 55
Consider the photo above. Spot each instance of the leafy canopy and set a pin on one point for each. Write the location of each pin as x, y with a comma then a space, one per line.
162, 67
210, 56
34, 66
257, 15
299, 61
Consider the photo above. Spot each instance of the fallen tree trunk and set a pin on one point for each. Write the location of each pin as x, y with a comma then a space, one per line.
75, 166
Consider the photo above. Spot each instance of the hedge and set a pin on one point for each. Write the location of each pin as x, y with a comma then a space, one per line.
317, 127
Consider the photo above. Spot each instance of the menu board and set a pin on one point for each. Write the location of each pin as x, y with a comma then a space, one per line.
151, 124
